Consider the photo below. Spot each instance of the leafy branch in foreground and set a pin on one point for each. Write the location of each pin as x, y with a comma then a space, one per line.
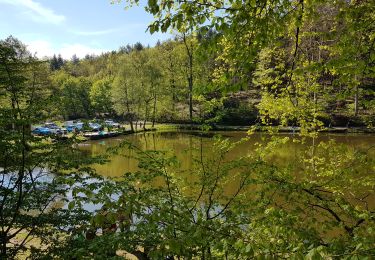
316, 206
35, 172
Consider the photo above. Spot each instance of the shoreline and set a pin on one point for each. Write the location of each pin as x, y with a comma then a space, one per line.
196, 127
289, 129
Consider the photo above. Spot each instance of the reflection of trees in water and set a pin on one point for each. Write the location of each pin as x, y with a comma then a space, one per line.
86, 152
188, 145
281, 187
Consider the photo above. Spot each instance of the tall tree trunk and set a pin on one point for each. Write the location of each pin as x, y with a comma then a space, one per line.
154, 111
189, 51
128, 109
173, 95
146, 116
356, 97
131, 125
191, 98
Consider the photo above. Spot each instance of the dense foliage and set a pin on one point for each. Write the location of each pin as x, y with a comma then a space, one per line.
297, 63
35, 172
278, 209
234, 59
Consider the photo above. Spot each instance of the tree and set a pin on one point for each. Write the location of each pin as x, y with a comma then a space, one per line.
54, 63
138, 46
35, 173
189, 46
173, 78
153, 74
100, 96
75, 59
60, 61
354, 49
124, 94
143, 81
277, 42
74, 95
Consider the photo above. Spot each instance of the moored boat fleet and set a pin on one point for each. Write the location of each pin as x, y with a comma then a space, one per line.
92, 130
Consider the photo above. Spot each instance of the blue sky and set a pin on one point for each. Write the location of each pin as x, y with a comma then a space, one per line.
74, 26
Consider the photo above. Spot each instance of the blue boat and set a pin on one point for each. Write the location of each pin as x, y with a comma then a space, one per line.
95, 126
42, 131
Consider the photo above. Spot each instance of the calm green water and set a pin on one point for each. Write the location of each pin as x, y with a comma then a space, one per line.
189, 144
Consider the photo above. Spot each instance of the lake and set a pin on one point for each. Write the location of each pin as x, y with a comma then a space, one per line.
189, 144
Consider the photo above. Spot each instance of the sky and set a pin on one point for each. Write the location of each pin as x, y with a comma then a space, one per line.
80, 27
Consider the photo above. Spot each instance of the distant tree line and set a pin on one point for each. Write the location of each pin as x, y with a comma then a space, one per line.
205, 76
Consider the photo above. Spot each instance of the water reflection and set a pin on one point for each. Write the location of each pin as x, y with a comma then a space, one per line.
189, 144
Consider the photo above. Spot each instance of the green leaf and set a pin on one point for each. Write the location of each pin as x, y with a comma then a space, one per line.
71, 205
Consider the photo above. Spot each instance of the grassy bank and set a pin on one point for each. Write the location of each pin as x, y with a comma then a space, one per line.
260, 128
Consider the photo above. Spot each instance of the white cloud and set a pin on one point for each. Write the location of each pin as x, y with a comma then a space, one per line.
44, 48
68, 50
36, 11
94, 33
40, 48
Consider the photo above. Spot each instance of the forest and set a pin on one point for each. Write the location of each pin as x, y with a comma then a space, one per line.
231, 75
306, 64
